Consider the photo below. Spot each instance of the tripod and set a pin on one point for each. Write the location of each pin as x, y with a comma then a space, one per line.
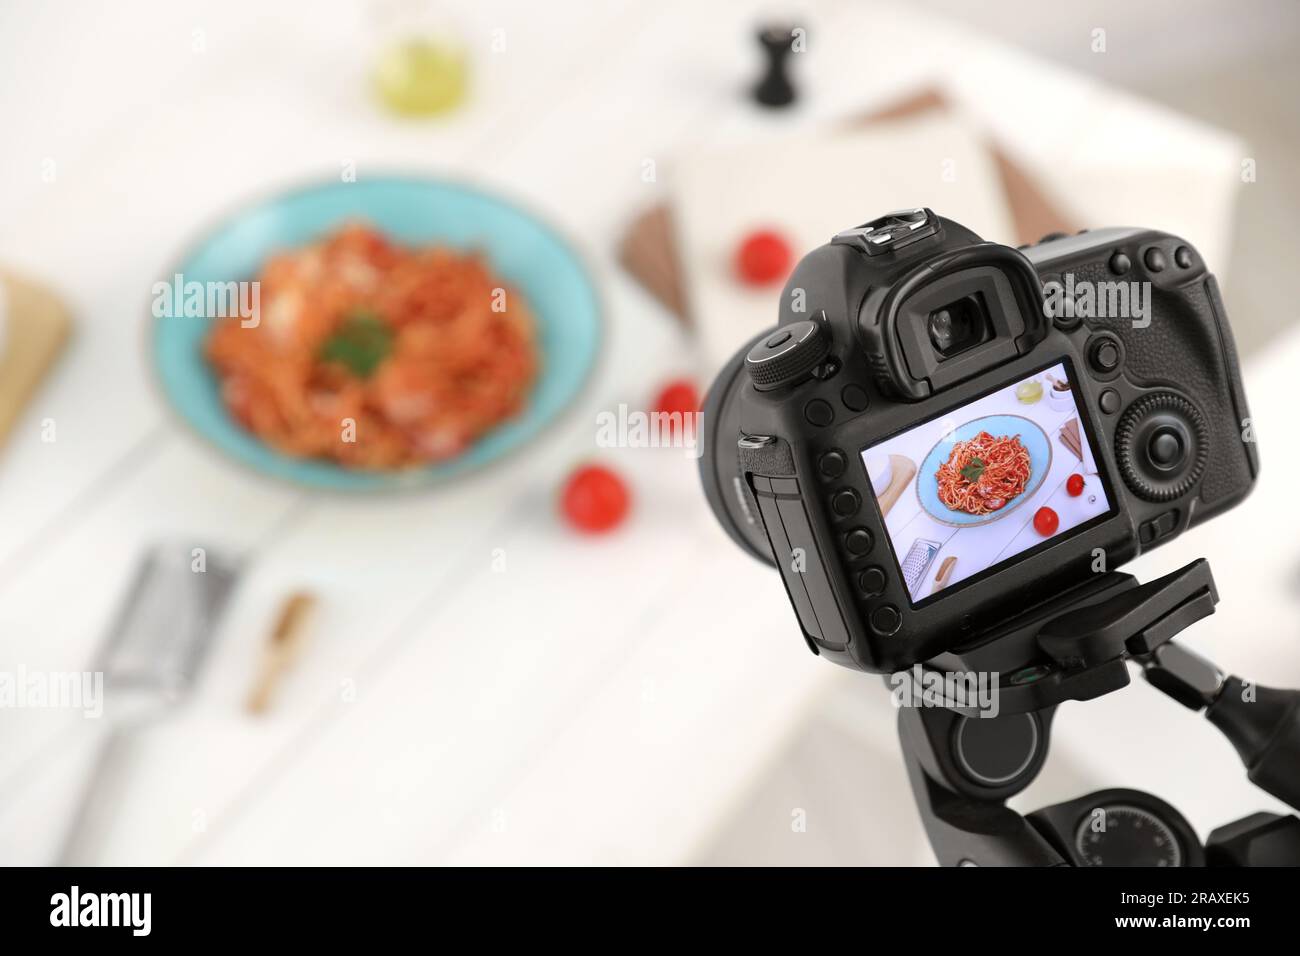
963, 766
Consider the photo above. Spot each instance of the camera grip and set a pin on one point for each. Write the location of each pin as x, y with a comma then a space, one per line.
1184, 343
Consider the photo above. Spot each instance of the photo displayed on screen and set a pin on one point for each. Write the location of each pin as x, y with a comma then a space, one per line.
977, 486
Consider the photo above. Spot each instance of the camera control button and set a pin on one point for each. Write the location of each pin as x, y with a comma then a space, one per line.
1183, 257
780, 338
854, 398
819, 413
1109, 401
1057, 306
1120, 264
1105, 356
886, 619
1155, 259
1158, 527
832, 463
845, 503
1066, 322
872, 581
858, 541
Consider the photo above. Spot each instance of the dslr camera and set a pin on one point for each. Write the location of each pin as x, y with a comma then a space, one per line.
941, 433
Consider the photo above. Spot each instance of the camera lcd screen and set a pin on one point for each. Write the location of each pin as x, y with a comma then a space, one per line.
987, 482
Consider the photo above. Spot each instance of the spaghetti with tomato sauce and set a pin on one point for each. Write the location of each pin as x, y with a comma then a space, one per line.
983, 473
376, 356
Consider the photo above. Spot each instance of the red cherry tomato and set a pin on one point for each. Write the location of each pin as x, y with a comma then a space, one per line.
1046, 522
763, 257
595, 499
1074, 485
678, 397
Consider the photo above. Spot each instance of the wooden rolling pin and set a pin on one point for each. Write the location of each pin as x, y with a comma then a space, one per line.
282, 649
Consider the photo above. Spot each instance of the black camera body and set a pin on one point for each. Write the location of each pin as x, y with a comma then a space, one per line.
942, 433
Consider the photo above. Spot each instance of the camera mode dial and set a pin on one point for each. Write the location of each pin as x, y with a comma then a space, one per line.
787, 355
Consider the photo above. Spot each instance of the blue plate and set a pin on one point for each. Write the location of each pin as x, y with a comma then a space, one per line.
1032, 437
522, 250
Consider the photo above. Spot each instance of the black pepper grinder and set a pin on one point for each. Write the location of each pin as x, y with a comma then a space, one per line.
774, 89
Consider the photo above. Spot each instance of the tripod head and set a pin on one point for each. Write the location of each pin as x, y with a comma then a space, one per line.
963, 764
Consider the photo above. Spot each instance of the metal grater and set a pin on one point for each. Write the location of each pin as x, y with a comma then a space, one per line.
150, 661
166, 623
918, 561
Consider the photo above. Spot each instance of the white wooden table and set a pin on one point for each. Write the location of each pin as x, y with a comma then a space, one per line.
596, 701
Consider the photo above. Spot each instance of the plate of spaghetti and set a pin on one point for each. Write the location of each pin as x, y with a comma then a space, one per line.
983, 470
377, 334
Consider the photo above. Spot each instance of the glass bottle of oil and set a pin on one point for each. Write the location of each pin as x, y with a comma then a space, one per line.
421, 68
